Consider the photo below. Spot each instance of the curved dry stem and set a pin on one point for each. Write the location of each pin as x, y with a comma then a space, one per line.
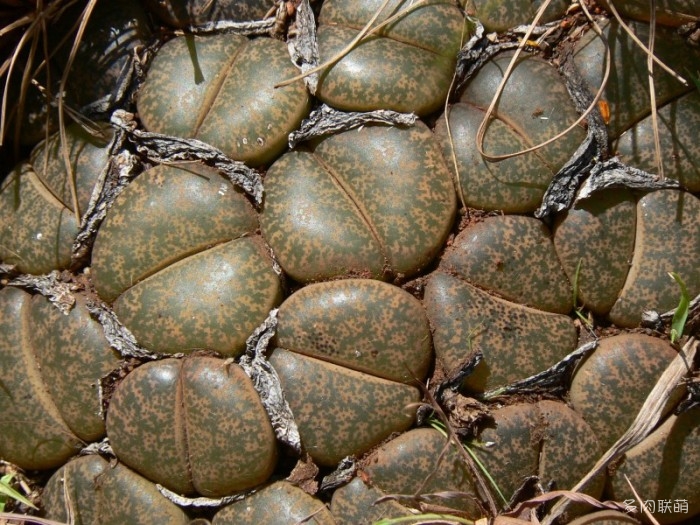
84, 19
652, 90
27, 520
489, 112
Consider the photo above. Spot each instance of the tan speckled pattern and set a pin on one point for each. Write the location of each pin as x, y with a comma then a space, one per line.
278, 504
501, 15
366, 325
679, 122
211, 300
165, 215
668, 240
617, 377
402, 466
34, 434
107, 494
407, 67
383, 188
664, 467
356, 502
535, 105
627, 91
220, 89
514, 185
73, 354
600, 233
514, 257
516, 341
341, 412
193, 425
36, 230
183, 13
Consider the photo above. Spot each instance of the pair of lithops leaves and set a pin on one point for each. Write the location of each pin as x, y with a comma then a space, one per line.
345, 354
505, 285
549, 440
38, 221
627, 97
226, 90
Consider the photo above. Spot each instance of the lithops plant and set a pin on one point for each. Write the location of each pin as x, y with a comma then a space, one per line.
406, 65
610, 386
194, 425
52, 364
678, 122
534, 107
191, 13
501, 15
90, 491
197, 254
221, 90
376, 203
345, 351
670, 12
641, 241
520, 327
277, 504
38, 223
664, 468
627, 91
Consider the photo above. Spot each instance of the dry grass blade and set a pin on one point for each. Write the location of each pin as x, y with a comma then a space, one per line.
648, 52
84, 19
652, 89
645, 422
642, 506
506, 75
8, 517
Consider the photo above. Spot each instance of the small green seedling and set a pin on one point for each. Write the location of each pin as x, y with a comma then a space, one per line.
680, 316
440, 427
6, 492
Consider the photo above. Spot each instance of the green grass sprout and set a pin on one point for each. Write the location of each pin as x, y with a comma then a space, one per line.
6, 491
440, 427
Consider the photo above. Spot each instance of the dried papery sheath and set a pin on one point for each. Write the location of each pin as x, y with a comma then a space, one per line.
304, 47
165, 149
554, 380
326, 120
615, 174
103, 448
249, 28
57, 291
119, 336
267, 383
202, 502
343, 474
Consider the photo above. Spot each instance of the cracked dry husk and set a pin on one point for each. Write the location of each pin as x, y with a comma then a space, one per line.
267, 383
118, 336
304, 48
254, 27
123, 166
326, 120
57, 291
553, 381
341, 475
202, 502
614, 174
164, 149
